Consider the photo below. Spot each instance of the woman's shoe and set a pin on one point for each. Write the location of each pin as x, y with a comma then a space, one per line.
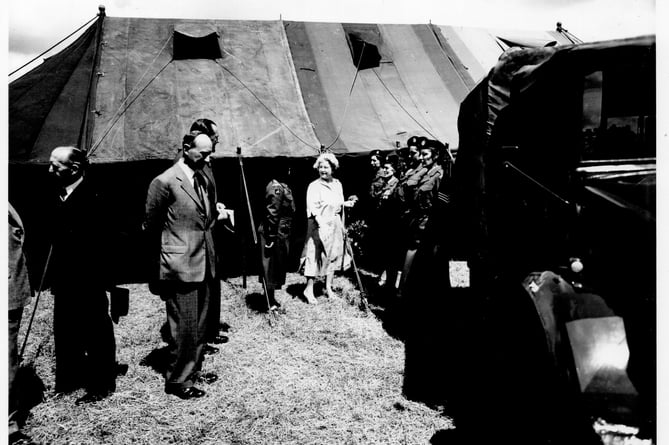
310, 298
382, 279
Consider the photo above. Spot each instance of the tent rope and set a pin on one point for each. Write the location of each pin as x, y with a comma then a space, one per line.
61, 41
348, 99
402, 106
121, 110
265, 106
448, 151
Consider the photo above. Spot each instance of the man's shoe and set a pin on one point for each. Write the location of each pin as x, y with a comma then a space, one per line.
223, 327
209, 350
190, 392
220, 339
277, 309
121, 369
206, 377
92, 397
66, 388
18, 438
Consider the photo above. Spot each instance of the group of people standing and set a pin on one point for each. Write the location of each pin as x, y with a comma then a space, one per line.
403, 190
182, 213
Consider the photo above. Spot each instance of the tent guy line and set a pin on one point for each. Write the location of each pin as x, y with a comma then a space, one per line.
267, 108
52, 47
402, 106
122, 110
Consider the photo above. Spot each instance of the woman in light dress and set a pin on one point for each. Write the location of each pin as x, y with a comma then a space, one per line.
324, 250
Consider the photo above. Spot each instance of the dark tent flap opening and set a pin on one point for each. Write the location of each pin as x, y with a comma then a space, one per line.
195, 42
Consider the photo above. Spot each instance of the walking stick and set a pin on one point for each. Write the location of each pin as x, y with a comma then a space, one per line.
253, 231
39, 292
364, 304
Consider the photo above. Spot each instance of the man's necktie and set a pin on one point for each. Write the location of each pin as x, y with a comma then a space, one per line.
201, 189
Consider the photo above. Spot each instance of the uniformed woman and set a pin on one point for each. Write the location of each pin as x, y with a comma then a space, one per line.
399, 206
274, 231
372, 206
386, 220
424, 195
376, 186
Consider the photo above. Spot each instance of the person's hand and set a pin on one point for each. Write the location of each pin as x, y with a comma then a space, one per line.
270, 245
351, 201
224, 213
220, 208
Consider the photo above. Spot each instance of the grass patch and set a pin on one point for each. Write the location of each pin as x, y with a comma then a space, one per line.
323, 374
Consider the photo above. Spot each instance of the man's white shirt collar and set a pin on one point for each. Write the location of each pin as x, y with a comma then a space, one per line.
70, 188
190, 173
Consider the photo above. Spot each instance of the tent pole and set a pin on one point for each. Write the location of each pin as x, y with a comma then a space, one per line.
242, 237
85, 132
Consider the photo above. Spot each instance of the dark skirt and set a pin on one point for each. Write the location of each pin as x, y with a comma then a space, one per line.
275, 261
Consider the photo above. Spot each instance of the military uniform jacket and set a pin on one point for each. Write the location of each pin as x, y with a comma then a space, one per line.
275, 228
376, 189
405, 190
279, 211
424, 197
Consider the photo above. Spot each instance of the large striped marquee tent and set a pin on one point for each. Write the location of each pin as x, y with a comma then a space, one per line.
128, 88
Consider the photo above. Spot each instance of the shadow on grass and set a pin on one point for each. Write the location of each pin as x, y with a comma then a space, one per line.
30, 388
383, 303
446, 437
158, 360
257, 302
296, 290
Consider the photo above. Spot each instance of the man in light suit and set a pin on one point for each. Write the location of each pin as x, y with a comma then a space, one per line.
181, 211
215, 328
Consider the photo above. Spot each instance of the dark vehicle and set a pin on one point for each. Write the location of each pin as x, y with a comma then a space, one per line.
552, 206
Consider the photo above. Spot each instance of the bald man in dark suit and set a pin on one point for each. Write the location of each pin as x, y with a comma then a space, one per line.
79, 275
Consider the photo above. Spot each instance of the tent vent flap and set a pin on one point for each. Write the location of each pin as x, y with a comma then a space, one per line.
365, 42
196, 42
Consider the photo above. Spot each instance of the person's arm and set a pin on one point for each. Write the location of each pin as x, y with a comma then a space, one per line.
315, 204
157, 201
425, 198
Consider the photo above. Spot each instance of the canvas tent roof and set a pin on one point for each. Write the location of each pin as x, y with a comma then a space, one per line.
275, 89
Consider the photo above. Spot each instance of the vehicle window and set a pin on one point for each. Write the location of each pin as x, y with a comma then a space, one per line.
618, 115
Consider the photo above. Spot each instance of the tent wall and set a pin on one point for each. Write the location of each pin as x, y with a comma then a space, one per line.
46, 106
147, 101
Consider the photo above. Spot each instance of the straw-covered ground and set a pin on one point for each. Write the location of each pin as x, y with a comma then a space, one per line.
323, 374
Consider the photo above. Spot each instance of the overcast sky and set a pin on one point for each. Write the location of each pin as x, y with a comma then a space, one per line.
35, 25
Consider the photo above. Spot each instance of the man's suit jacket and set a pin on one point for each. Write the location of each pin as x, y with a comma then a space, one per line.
82, 239
19, 286
179, 228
